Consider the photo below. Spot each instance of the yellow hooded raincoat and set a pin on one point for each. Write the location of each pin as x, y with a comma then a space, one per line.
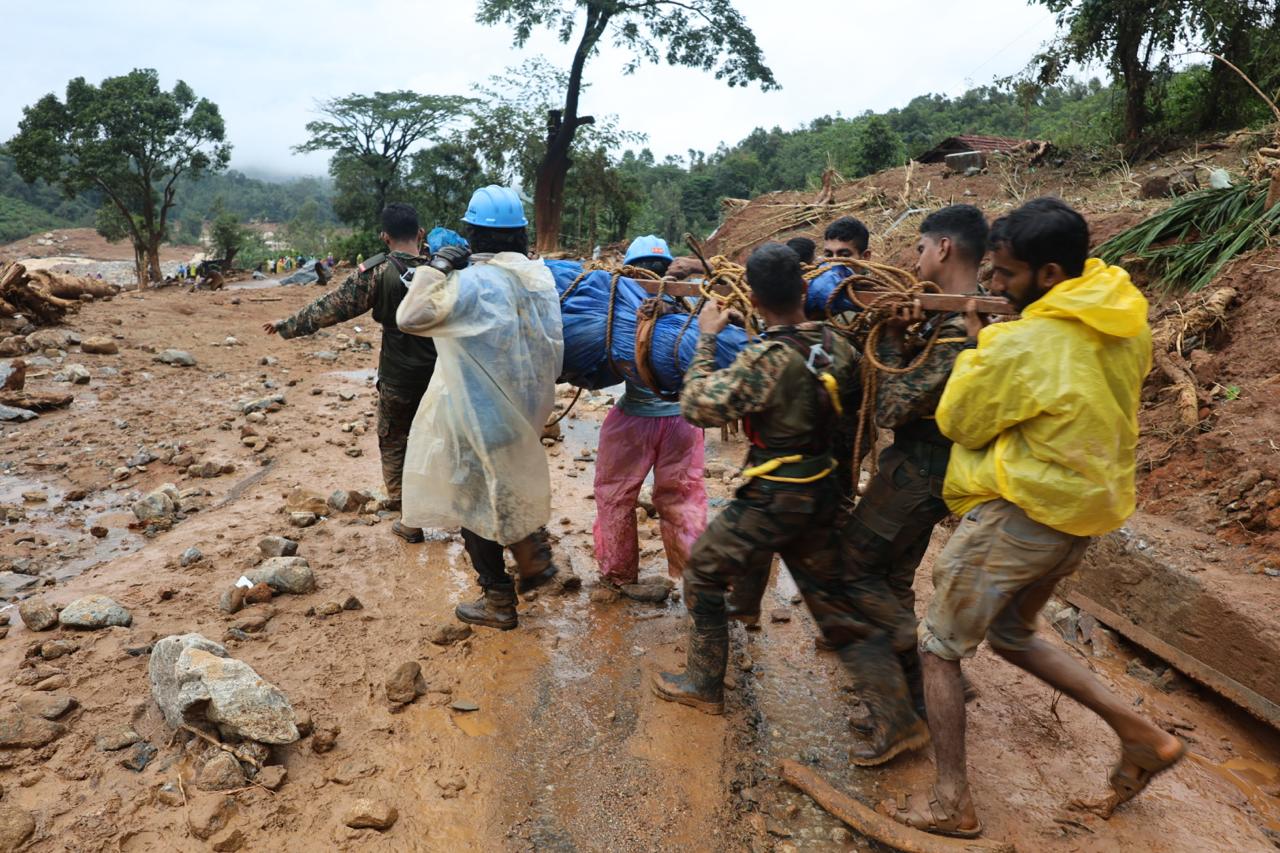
1044, 413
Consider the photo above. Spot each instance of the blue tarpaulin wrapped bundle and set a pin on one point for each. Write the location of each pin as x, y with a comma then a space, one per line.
585, 315
820, 288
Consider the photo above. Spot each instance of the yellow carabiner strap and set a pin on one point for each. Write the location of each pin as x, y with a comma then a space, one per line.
833, 391
764, 469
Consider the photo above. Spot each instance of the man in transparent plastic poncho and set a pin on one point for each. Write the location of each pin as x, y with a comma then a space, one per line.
475, 459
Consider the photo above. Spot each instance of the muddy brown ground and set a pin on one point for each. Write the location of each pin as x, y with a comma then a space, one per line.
568, 750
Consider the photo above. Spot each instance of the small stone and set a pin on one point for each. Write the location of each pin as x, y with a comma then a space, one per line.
370, 814
16, 826
170, 794
329, 608
176, 358
231, 840
277, 546
50, 706
450, 633
259, 593
304, 500
77, 374
603, 595
354, 452
94, 611
271, 777
303, 519
53, 682
304, 722
76, 495
209, 814
98, 532
451, 787
344, 501
464, 705
779, 615
55, 649
285, 574
352, 603
323, 740
20, 730
99, 345
405, 683
232, 599
222, 772
38, 614
139, 756
117, 739
190, 556
745, 663
650, 590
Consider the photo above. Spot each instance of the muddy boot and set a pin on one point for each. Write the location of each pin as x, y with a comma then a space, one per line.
534, 566
701, 685
412, 535
495, 609
894, 726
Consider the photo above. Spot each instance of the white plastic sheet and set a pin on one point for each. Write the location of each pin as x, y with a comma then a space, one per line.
475, 458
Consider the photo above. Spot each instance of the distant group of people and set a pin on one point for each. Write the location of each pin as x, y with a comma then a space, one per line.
1024, 429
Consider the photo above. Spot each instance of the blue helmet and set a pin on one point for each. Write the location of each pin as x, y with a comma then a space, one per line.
495, 207
649, 246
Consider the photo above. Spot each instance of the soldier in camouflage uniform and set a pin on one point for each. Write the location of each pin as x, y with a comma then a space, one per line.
791, 390
406, 362
885, 538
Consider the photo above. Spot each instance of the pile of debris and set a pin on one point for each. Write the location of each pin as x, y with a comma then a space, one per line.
43, 297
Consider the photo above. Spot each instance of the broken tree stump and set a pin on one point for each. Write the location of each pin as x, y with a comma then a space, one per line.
870, 823
18, 295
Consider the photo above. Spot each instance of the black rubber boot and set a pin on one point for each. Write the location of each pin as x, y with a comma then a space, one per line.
701, 685
894, 726
495, 609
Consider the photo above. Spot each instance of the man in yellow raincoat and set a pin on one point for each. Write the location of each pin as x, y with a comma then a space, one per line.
1044, 415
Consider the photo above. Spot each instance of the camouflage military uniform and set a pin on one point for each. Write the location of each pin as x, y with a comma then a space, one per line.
405, 364
886, 536
766, 516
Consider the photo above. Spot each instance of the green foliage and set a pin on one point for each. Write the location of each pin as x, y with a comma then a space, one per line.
365, 243
1187, 244
228, 236
129, 140
371, 136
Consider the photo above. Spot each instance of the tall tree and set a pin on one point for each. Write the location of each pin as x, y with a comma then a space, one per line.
128, 139
371, 135
706, 34
1133, 38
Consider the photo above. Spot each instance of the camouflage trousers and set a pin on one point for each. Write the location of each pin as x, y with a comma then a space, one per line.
396, 410
738, 546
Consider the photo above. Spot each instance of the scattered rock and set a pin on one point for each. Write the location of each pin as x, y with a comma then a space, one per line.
323, 740
264, 404
53, 682
162, 503
303, 519
176, 358
94, 611
450, 633
651, 590
137, 758
277, 546
16, 826
98, 532
117, 739
352, 603
304, 500
99, 345
50, 706
210, 468
221, 773
329, 608
190, 556
780, 615
192, 674
55, 649
38, 614
271, 777
344, 501
370, 814
405, 683
451, 787
603, 594
285, 574
464, 705
13, 413
19, 729
208, 815
170, 794
259, 593
76, 374
229, 841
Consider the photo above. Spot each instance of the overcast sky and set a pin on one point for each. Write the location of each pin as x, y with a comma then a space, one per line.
266, 63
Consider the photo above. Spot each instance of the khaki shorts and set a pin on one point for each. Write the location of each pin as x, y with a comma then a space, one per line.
991, 581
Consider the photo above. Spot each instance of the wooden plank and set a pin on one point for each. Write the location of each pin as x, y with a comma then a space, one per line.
1252, 701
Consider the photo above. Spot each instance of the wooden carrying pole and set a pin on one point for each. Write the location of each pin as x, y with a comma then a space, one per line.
928, 301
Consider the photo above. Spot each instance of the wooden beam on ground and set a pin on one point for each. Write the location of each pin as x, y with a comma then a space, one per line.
1257, 704
874, 825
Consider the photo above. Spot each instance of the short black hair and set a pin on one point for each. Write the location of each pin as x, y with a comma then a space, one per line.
773, 273
804, 248
657, 266
400, 221
494, 240
1044, 231
964, 224
847, 229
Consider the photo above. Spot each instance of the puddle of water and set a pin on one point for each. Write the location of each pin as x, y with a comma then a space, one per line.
366, 374
1250, 778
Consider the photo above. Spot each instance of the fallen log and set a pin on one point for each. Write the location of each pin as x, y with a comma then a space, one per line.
18, 296
70, 287
876, 826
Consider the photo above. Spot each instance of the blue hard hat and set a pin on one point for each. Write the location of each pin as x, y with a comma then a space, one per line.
495, 207
649, 246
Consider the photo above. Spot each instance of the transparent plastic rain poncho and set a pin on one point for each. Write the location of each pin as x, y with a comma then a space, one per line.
475, 457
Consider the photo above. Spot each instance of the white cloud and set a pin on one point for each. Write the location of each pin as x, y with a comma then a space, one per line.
265, 64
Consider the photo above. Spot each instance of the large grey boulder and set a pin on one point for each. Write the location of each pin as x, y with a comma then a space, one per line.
193, 677
94, 611
285, 574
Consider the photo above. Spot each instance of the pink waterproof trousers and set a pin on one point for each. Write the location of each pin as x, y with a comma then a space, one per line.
630, 446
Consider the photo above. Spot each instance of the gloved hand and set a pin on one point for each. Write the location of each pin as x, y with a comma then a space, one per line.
450, 258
